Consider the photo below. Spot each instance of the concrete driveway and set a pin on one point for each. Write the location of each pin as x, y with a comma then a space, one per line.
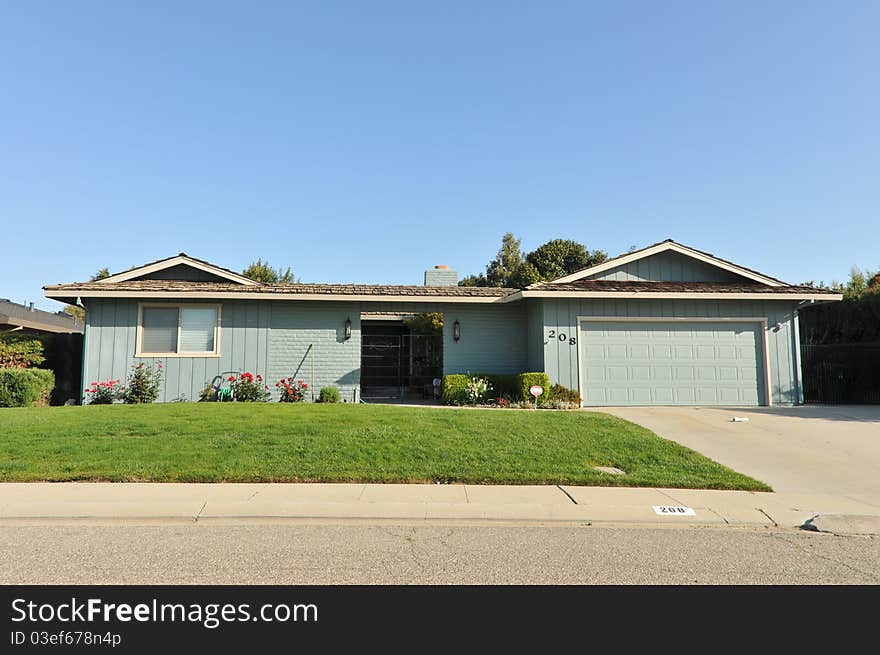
803, 450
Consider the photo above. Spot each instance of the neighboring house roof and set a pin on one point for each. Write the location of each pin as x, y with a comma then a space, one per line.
176, 260
663, 246
14, 316
207, 290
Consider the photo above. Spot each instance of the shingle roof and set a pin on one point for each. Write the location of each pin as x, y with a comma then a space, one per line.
676, 287
172, 286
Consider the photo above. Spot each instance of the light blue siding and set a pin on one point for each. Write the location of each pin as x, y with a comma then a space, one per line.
494, 335
260, 337
560, 317
493, 338
535, 336
667, 266
280, 339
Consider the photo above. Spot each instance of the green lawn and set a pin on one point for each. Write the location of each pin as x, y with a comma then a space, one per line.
213, 442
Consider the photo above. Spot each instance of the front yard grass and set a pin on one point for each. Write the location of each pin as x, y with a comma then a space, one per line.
239, 442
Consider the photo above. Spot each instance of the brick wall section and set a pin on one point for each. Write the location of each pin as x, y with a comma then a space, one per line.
301, 332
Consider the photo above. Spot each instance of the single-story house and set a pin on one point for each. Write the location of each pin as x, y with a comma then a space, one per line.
664, 325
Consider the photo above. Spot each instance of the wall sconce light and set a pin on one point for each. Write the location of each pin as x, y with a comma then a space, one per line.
777, 327
347, 333
456, 330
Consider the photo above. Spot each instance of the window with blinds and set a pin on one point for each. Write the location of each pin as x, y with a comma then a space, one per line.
179, 330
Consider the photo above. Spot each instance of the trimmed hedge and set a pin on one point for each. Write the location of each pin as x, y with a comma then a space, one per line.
527, 380
455, 389
22, 387
329, 395
515, 387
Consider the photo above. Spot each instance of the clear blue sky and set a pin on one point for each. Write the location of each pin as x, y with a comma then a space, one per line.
366, 141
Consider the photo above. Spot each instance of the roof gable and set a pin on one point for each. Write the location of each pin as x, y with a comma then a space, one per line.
667, 261
182, 268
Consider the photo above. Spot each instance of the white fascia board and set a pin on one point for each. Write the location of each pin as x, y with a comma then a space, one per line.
661, 247
244, 295
175, 261
684, 295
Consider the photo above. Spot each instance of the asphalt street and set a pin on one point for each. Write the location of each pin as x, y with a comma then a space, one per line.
302, 552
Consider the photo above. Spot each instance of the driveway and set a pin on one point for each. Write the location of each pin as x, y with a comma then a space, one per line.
804, 450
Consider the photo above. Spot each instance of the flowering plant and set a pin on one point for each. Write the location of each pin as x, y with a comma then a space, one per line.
502, 402
143, 384
477, 391
249, 388
292, 392
102, 393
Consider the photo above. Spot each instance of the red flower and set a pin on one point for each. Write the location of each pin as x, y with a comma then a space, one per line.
260, 378
232, 378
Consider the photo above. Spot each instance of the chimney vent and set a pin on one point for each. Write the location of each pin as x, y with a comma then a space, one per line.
441, 276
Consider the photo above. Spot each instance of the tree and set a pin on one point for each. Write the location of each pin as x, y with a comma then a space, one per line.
426, 323
101, 274
509, 258
556, 258
262, 272
562, 257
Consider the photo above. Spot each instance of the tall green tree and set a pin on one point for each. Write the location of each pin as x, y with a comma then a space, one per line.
513, 268
509, 258
562, 257
262, 272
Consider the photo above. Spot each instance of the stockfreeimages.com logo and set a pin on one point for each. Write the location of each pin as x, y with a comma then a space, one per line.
209, 615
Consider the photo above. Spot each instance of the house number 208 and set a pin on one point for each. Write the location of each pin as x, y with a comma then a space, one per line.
562, 337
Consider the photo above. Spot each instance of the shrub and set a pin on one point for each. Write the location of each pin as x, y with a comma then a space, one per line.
103, 393
503, 385
329, 395
455, 389
564, 394
478, 390
22, 387
20, 351
248, 388
526, 380
208, 394
291, 392
143, 384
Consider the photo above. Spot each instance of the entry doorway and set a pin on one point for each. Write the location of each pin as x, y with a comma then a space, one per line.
399, 362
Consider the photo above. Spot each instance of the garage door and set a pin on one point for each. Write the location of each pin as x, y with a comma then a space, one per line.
671, 363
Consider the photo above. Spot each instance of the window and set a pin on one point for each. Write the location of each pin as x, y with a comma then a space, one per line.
183, 330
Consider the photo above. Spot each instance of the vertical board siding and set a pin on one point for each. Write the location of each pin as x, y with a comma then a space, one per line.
667, 267
560, 316
535, 318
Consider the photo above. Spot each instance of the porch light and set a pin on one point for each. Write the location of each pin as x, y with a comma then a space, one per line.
456, 330
347, 332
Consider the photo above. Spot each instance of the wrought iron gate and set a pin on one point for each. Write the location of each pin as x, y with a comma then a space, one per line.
400, 365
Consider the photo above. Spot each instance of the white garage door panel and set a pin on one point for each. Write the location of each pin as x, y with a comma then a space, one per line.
672, 363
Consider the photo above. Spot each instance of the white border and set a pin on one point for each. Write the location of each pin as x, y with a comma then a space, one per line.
174, 261
242, 295
653, 250
140, 329
762, 321
674, 295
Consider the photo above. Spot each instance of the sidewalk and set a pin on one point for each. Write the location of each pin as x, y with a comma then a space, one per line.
207, 502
